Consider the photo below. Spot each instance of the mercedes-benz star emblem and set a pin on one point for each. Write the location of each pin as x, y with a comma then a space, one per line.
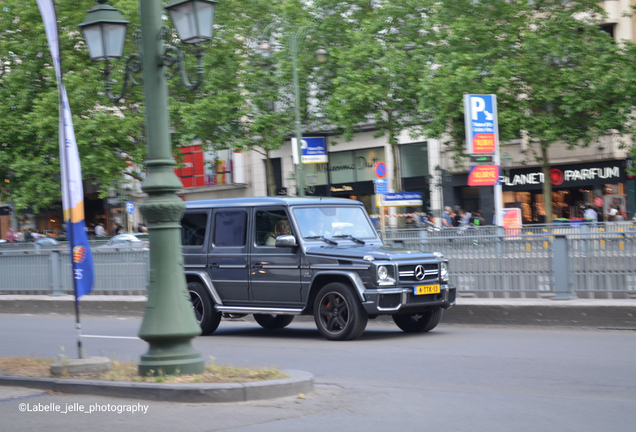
419, 272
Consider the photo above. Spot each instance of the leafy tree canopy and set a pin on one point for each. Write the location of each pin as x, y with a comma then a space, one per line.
108, 138
557, 76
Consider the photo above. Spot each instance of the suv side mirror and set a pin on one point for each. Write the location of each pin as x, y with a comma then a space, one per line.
286, 241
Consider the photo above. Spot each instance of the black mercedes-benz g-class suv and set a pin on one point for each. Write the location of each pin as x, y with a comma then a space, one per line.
280, 257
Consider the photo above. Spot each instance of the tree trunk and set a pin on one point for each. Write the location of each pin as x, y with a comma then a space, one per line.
271, 182
547, 184
397, 186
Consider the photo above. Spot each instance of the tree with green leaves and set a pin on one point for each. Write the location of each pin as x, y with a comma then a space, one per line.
108, 138
378, 50
247, 99
557, 76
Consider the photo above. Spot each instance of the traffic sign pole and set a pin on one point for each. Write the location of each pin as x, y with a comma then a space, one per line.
380, 171
482, 137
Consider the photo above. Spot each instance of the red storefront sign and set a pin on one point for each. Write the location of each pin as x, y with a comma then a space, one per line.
483, 175
484, 143
192, 174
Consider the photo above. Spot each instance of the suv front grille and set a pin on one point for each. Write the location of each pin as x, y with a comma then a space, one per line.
408, 272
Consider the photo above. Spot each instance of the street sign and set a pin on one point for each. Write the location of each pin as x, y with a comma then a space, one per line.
483, 175
130, 207
314, 150
480, 159
404, 199
480, 118
379, 169
381, 188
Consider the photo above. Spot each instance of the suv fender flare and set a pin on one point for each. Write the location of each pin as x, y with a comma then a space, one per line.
354, 278
204, 277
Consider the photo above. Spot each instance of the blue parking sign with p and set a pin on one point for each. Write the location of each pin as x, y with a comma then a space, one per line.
130, 207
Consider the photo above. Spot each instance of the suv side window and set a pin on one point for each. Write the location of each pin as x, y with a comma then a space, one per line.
270, 224
230, 228
193, 227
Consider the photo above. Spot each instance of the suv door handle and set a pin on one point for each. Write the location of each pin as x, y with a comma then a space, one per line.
214, 266
257, 266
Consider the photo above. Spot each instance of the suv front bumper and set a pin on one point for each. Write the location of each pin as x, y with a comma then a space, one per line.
388, 301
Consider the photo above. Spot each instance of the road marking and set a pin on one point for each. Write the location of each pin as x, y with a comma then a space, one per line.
110, 337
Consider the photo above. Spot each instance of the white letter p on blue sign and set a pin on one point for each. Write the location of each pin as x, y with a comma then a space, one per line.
477, 105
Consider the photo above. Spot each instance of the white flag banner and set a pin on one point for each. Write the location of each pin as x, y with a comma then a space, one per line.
72, 191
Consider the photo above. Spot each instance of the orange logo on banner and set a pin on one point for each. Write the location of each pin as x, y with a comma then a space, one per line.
483, 175
484, 143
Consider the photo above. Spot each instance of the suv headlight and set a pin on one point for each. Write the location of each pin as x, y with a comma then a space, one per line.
383, 273
443, 271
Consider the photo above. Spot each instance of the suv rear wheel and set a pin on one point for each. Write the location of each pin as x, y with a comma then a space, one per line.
338, 312
419, 322
272, 322
207, 317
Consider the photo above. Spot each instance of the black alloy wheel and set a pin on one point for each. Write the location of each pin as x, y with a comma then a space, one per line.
272, 322
203, 307
419, 322
338, 313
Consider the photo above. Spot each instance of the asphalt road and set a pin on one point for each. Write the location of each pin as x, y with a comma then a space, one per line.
456, 378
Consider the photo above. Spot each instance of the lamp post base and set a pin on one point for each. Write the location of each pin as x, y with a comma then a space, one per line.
174, 357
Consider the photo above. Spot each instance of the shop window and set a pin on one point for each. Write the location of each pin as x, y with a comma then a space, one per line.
214, 167
354, 166
414, 160
276, 168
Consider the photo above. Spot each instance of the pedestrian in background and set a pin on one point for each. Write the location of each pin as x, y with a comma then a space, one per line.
19, 236
447, 220
27, 236
590, 214
10, 235
100, 231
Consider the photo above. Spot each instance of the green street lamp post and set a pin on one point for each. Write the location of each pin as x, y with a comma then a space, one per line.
295, 45
169, 323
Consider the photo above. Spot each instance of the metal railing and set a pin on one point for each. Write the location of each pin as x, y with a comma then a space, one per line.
528, 261
38, 270
598, 259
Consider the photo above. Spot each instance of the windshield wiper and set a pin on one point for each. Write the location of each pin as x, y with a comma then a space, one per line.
323, 238
349, 236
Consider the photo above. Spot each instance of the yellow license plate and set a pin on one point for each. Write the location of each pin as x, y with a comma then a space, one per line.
426, 289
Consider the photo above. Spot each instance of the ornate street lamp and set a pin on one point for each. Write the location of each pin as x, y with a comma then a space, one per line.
193, 19
296, 39
104, 29
169, 323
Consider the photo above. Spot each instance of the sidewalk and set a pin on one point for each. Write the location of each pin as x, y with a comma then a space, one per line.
619, 314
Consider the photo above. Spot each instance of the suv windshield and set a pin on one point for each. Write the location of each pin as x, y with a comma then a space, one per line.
333, 221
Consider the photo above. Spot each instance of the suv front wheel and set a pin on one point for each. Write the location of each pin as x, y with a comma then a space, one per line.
203, 307
419, 322
338, 312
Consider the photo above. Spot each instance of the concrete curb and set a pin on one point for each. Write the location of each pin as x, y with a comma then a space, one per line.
617, 314
98, 305
604, 313
298, 382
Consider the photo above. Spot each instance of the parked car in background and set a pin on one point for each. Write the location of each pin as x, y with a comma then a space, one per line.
46, 241
123, 241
